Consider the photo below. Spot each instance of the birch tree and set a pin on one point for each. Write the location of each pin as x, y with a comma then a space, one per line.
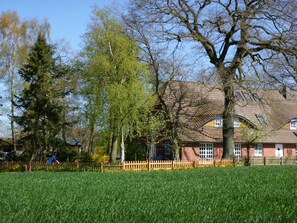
114, 81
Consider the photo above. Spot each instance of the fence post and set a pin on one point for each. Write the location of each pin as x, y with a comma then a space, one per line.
30, 166
172, 165
148, 165
101, 167
77, 166
24, 168
123, 163
194, 164
264, 160
281, 161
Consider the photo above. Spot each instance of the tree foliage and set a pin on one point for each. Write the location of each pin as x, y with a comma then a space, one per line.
117, 98
41, 99
16, 36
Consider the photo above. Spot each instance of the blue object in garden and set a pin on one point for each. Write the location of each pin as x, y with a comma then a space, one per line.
51, 159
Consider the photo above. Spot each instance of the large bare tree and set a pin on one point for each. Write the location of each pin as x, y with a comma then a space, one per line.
237, 38
165, 64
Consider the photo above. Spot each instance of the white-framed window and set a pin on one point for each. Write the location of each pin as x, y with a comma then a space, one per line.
237, 150
236, 123
293, 124
218, 121
258, 150
206, 150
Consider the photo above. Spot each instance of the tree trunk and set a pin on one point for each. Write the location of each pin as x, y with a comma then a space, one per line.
110, 143
147, 150
11, 81
32, 155
174, 138
176, 149
122, 148
228, 117
248, 154
152, 149
91, 140
113, 149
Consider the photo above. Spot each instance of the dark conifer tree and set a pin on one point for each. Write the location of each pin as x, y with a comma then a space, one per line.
41, 101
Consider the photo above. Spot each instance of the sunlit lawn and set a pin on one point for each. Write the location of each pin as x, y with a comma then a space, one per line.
241, 194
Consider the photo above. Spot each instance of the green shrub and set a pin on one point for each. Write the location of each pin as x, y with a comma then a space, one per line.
67, 155
84, 157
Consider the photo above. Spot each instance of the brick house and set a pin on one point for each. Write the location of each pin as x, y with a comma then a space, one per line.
6, 146
265, 122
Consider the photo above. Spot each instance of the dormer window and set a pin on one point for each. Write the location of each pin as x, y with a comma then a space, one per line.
236, 123
293, 124
218, 121
247, 96
261, 119
256, 97
238, 96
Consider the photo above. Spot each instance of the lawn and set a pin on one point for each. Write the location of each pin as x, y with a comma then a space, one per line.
242, 194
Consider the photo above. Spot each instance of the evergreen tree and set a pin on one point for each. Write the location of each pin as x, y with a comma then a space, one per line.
16, 35
41, 100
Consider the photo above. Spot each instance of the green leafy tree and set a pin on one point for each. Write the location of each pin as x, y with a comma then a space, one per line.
16, 36
117, 97
41, 100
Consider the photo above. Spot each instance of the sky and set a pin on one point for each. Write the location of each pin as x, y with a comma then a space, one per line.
68, 18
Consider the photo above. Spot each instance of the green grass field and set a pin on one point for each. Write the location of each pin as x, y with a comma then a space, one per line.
242, 194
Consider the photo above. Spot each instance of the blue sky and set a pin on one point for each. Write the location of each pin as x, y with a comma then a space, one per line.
68, 18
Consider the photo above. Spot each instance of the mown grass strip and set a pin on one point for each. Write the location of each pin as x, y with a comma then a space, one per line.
243, 194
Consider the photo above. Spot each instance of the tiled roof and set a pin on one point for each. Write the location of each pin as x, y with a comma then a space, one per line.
281, 136
6, 142
194, 104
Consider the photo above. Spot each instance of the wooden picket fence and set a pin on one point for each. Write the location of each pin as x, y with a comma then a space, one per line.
112, 167
273, 161
157, 165
143, 165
